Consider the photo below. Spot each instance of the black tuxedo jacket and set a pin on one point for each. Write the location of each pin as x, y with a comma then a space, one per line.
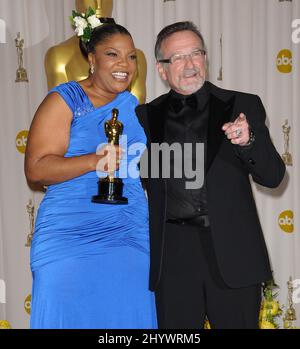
236, 232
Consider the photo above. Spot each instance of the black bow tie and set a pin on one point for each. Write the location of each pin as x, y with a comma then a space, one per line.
178, 104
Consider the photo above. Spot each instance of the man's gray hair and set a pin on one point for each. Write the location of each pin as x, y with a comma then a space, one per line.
175, 28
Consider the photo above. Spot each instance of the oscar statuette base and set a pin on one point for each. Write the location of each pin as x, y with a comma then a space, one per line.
110, 192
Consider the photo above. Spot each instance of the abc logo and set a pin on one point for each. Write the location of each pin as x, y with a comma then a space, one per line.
284, 61
286, 221
21, 141
27, 304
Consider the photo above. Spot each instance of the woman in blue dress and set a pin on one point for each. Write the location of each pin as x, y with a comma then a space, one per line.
90, 262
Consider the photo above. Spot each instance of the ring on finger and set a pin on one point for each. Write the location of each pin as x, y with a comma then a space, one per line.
238, 133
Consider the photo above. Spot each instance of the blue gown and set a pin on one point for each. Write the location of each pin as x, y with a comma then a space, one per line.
90, 262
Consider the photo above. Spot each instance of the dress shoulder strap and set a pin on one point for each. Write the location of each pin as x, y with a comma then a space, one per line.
72, 93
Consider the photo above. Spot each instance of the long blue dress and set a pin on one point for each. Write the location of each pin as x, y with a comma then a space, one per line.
90, 262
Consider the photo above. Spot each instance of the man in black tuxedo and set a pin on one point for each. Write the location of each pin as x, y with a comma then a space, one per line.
208, 254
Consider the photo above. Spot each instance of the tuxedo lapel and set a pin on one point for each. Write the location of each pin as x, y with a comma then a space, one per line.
157, 121
220, 112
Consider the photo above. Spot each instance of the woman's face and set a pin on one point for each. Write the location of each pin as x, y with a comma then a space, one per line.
115, 63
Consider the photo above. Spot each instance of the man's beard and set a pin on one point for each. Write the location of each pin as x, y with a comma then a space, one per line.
194, 86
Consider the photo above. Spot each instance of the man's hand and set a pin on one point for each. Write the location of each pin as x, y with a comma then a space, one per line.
238, 131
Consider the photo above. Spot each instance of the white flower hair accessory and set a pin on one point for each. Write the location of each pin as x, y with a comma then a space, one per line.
84, 23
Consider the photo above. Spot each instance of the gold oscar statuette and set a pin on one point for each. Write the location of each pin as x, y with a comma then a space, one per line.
21, 71
110, 188
287, 156
99, 9
290, 314
30, 211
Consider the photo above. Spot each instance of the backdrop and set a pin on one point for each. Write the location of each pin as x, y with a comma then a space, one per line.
260, 54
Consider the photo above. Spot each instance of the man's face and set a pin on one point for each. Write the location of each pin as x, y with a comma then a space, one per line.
185, 76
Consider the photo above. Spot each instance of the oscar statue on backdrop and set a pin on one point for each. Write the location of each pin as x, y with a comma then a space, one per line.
21, 75
65, 61
287, 156
30, 211
110, 189
290, 314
